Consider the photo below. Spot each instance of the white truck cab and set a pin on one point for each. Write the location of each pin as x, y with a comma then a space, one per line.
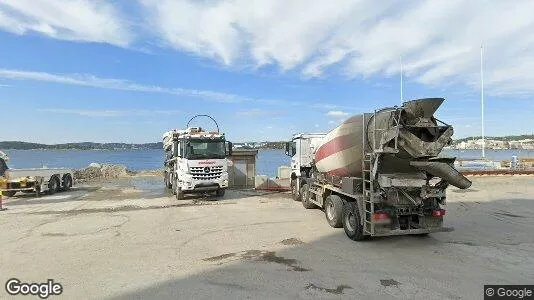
302, 149
196, 161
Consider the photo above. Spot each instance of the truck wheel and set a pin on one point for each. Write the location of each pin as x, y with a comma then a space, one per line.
305, 197
174, 186
67, 182
168, 182
9, 193
294, 191
220, 192
333, 210
53, 185
352, 222
179, 194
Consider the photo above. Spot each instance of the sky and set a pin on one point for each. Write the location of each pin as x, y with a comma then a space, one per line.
129, 70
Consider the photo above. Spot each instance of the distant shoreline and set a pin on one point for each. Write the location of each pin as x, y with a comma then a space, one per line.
16, 145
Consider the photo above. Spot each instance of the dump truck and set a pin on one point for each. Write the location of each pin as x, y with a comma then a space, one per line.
380, 173
196, 161
37, 180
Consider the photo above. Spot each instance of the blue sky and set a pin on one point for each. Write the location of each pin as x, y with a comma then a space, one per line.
126, 71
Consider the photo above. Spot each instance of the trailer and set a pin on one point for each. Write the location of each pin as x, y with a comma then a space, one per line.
378, 174
36, 180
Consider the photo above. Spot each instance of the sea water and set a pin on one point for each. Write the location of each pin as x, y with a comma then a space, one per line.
267, 161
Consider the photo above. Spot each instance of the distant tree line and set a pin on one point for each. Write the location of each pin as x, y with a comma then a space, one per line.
275, 145
502, 138
15, 145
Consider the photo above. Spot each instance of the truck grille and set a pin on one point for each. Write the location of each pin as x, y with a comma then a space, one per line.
206, 173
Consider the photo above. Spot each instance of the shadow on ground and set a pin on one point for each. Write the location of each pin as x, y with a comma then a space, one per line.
452, 265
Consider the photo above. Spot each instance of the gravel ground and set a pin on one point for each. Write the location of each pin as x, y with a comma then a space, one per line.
128, 238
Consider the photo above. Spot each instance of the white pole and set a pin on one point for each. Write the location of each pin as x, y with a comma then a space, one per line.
401, 81
482, 97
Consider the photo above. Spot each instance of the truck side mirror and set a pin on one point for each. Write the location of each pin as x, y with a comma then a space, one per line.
229, 148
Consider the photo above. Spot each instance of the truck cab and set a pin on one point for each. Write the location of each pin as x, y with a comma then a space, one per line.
196, 161
302, 149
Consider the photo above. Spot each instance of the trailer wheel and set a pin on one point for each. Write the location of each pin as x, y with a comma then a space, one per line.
53, 185
294, 191
67, 182
352, 222
305, 197
333, 210
174, 185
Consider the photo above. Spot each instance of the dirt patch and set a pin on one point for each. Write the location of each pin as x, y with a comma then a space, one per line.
506, 214
465, 191
337, 291
220, 257
292, 241
389, 282
99, 171
270, 256
463, 243
261, 255
124, 208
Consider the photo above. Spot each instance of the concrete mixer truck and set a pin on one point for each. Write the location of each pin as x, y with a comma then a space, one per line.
380, 173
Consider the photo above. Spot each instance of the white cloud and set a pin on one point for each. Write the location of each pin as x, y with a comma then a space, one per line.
120, 84
439, 40
337, 113
126, 85
109, 113
77, 20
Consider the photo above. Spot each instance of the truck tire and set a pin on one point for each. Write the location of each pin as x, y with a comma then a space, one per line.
333, 210
220, 192
165, 183
305, 197
67, 182
294, 191
9, 193
38, 191
179, 194
168, 181
53, 185
352, 222
173, 188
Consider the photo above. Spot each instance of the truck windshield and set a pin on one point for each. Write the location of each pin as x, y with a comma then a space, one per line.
198, 149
